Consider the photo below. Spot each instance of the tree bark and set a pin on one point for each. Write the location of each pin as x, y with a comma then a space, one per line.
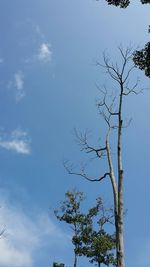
117, 189
120, 226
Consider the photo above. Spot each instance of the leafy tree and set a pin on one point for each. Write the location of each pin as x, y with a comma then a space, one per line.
97, 245
70, 213
111, 109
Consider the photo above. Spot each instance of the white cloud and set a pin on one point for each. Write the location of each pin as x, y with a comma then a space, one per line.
1, 60
19, 85
17, 141
25, 235
10, 255
44, 53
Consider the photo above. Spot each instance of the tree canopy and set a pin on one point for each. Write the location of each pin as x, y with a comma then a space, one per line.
141, 59
90, 239
124, 3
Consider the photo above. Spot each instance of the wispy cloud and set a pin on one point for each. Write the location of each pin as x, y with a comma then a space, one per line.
1, 60
17, 141
38, 43
44, 53
25, 235
19, 85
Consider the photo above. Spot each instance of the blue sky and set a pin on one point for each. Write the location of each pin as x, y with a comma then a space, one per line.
48, 51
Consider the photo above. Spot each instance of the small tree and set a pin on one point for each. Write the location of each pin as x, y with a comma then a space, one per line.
95, 244
70, 213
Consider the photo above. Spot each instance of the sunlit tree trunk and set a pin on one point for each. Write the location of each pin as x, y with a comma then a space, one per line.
120, 230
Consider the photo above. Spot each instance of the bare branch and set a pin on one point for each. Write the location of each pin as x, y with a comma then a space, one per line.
82, 139
107, 216
128, 74
82, 173
118, 73
126, 56
110, 68
132, 89
103, 103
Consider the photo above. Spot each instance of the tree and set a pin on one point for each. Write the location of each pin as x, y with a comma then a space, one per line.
70, 213
94, 244
111, 109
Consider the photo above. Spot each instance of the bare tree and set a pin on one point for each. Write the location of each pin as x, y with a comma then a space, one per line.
111, 109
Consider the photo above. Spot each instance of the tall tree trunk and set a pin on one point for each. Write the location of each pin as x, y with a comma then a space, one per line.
120, 226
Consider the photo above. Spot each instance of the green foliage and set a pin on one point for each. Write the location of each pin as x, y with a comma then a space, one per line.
124, 3
98, 246
119, 3
69, 211
95, 242
100, 249
89, 237
141, 59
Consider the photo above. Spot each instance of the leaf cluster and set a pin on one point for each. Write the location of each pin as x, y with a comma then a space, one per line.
69, 211
124, 3
98, 246
141, 59
119, 3
89, 237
